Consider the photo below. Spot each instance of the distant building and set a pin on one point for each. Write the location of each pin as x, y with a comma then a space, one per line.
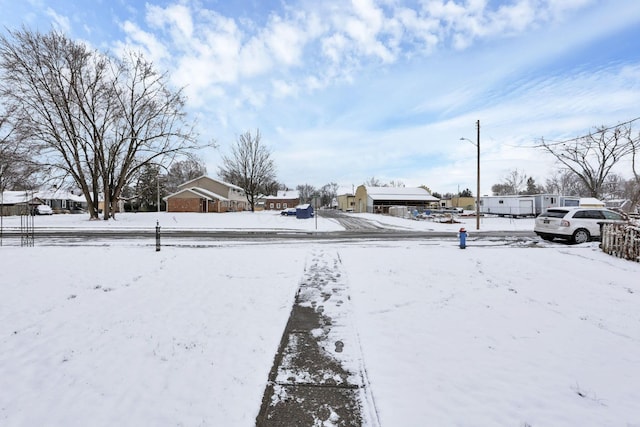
379, 199
205, 194
466, 203
346, 202
282, 200
18, 202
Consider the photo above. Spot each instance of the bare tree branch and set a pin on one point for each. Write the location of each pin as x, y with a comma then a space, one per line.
250, 166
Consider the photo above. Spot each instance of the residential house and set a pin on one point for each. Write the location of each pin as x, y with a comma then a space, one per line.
62, 201
282, 200
18, 202
346, 202
205, 194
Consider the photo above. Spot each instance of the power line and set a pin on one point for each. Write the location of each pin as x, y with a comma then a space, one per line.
599, 130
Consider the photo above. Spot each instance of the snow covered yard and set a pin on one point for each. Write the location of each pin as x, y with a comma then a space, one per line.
496, 334
106, 336
499, 335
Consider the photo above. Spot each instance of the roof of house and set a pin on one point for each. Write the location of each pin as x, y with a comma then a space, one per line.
16, 197
285, 194
201, 192
399, 193
59, 194
215, 180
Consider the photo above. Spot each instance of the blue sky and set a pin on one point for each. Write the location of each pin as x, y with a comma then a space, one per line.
343, 91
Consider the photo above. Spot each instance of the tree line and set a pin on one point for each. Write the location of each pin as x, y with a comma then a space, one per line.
77, 117
586, 166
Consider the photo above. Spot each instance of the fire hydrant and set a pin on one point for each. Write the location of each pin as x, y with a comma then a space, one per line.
462, 234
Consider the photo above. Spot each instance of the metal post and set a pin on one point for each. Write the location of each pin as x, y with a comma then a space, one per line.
157, 236
478, 179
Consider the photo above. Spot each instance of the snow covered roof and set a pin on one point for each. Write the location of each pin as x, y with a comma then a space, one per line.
285, 194
16, 197
58, 194
399, 193
199, 192
215, 180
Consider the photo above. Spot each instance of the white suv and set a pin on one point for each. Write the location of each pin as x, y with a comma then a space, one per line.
575, 224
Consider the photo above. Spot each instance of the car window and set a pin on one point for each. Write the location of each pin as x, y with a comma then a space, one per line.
612, 215
589, 214
554, 213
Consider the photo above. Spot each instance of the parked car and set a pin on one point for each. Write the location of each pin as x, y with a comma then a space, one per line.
578, 225
455, 209
288, 212
42, 210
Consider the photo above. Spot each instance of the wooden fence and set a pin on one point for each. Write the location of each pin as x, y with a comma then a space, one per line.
621, 240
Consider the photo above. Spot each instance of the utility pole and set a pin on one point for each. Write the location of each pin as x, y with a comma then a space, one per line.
478, 181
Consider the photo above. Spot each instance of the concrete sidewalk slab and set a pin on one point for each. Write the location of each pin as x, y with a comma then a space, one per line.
318, 376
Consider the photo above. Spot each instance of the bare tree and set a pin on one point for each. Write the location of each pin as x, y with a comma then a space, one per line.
94, 118
183, 171
250, 166
591, 157
515, 181
374, 182
271, 188
328, 193
306, 192
16, 168
564, 182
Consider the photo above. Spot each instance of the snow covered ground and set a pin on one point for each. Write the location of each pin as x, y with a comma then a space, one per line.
265, 220
505, 334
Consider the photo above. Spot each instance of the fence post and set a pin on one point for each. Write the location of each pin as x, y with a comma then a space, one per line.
158, 236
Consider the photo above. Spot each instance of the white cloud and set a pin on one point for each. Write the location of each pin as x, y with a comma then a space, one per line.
176, 17
377, 87
285, 40
147, 42
60, 22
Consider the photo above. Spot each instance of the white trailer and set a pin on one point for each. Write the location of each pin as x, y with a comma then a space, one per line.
513, 206
546, 201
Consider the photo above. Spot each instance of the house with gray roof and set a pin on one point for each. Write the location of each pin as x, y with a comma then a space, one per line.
205, 194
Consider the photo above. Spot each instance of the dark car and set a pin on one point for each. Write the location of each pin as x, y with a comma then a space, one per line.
288, 212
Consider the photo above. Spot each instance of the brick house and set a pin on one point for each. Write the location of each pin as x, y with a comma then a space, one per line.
282, 200
205, 194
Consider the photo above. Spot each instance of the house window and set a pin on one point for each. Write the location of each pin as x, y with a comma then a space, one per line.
277, 205
271, 205
284, 206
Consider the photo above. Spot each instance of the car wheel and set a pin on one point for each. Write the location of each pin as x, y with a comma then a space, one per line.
581, 236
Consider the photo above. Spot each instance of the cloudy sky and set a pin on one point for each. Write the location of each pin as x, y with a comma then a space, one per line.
343, 91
